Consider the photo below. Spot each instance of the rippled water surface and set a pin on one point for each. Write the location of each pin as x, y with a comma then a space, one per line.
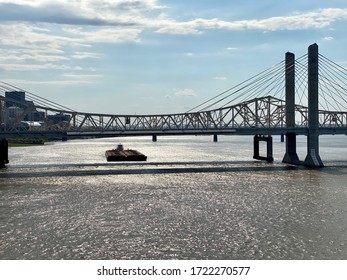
192, 199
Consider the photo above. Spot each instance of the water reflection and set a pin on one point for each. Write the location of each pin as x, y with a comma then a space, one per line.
74, 205
151, 168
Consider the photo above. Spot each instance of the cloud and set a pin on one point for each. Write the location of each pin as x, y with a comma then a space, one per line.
45, 34
83, 23
75, 12
33, 47
105, 35
32, 37
221, 78
52, 13
83, 55
174, 27
29, 47
80, 76
144, 14
29, 55
134, 5
33, 67
185, 92
25, 83
315, 19
329, 38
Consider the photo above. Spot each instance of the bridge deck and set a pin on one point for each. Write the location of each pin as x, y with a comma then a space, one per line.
124, 133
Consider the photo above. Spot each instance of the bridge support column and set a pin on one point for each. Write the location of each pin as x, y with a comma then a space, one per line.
215, 137
269, 154
3, 153
290, 156
313, 158
154, 138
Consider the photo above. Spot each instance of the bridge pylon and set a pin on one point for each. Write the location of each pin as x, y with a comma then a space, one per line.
313, 158
290, 156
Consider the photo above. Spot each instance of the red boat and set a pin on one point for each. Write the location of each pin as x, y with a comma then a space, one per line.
119, 154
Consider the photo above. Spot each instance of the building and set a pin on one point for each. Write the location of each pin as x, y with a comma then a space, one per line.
35, 116
13, 113
15, 110
3, 113
15, 96
58, 118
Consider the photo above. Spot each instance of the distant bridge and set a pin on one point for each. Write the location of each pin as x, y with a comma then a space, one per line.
262, 105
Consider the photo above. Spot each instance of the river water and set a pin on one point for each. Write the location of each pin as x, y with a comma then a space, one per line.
192, 199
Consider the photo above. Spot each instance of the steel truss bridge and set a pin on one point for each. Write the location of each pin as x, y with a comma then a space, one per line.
256, 106
263, 115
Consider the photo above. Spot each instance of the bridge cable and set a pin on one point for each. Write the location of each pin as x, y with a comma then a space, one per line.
246, 89
237, 89
269, 81
260, 88
301, 80
41, 100
334, 80
325, 89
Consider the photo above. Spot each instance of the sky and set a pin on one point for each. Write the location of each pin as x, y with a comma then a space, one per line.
156, 56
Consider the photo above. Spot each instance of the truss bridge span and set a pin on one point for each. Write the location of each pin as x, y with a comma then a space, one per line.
265, 115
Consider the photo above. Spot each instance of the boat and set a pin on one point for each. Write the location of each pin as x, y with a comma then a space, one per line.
119, 154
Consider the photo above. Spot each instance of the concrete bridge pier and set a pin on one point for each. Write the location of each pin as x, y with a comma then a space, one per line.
269, 148
313, 158
290, 156
3, 153
154, 138
215, 137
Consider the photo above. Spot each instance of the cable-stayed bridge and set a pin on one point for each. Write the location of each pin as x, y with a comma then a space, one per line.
303, 96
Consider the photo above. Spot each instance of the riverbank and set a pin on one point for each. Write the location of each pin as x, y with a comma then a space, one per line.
19, 142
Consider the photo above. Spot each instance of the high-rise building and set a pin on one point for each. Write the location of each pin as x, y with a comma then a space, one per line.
15, 96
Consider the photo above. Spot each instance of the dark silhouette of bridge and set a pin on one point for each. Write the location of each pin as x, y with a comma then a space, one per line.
304, 96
